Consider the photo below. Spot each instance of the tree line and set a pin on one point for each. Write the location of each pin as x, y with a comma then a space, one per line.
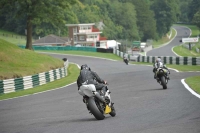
123, 19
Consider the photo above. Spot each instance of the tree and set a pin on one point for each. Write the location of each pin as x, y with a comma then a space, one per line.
196, 19
184, 10
165, 14
145, 19
194, 6
38, 11
124, 15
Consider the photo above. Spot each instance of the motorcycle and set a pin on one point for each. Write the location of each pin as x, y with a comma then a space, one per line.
162, 77
126, 61
98, 102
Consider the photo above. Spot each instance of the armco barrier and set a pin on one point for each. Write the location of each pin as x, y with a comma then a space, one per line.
165, 59
27, 82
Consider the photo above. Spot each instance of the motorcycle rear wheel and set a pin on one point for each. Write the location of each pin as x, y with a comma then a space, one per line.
94, 109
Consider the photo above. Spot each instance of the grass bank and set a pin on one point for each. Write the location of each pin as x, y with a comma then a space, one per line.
16, 62
182, 51
194, 83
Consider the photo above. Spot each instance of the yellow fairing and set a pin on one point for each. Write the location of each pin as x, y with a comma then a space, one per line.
107, 110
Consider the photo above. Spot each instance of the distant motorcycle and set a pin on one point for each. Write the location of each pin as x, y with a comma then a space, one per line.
98, 107
126, 61
162, 77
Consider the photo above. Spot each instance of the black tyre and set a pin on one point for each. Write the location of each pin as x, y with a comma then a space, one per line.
163, 82
94, 109
113, 112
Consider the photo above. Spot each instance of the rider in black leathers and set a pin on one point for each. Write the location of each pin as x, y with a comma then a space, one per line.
92, 78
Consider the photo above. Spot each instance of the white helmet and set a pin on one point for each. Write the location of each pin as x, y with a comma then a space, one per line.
158, 60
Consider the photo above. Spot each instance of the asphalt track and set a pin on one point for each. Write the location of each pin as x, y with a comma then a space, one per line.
142, 105
166, 50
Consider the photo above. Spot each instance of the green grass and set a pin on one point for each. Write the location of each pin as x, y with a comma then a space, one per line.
194, 83
73, 72
16, 62
13, 37
182, 51
164, 39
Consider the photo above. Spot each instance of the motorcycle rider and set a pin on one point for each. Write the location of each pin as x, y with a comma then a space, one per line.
125, 59
87, 76
160, 64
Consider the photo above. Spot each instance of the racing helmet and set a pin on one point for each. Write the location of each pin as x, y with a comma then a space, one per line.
158, 60
85, 66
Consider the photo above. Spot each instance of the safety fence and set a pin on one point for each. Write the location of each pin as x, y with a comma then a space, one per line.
166, 59
62, 48
27, 82
68, 48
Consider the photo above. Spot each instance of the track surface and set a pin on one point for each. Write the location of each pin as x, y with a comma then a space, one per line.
182, 32
142, 105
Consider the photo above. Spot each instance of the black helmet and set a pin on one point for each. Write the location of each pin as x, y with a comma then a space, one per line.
64, 59
85, 66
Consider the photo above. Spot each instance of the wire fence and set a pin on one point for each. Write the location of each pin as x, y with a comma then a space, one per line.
12, 36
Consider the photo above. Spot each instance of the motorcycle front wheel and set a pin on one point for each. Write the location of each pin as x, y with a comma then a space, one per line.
94, 109
113, 112
163, 82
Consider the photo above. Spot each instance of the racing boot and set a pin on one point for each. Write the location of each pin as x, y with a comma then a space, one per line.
155, 77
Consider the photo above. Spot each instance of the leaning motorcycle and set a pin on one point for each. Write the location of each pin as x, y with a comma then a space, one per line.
162, 77
126, 61
98, 102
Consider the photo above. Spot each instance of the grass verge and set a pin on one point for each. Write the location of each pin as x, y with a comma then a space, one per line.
73, 72
194, 83
182, 51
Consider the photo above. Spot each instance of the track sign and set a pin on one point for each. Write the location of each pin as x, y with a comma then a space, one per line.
190, 39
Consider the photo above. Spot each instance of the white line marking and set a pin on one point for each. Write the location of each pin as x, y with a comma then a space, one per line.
39, 92
189, 89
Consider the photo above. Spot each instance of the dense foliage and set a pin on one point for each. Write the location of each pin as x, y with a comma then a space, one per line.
123, 19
